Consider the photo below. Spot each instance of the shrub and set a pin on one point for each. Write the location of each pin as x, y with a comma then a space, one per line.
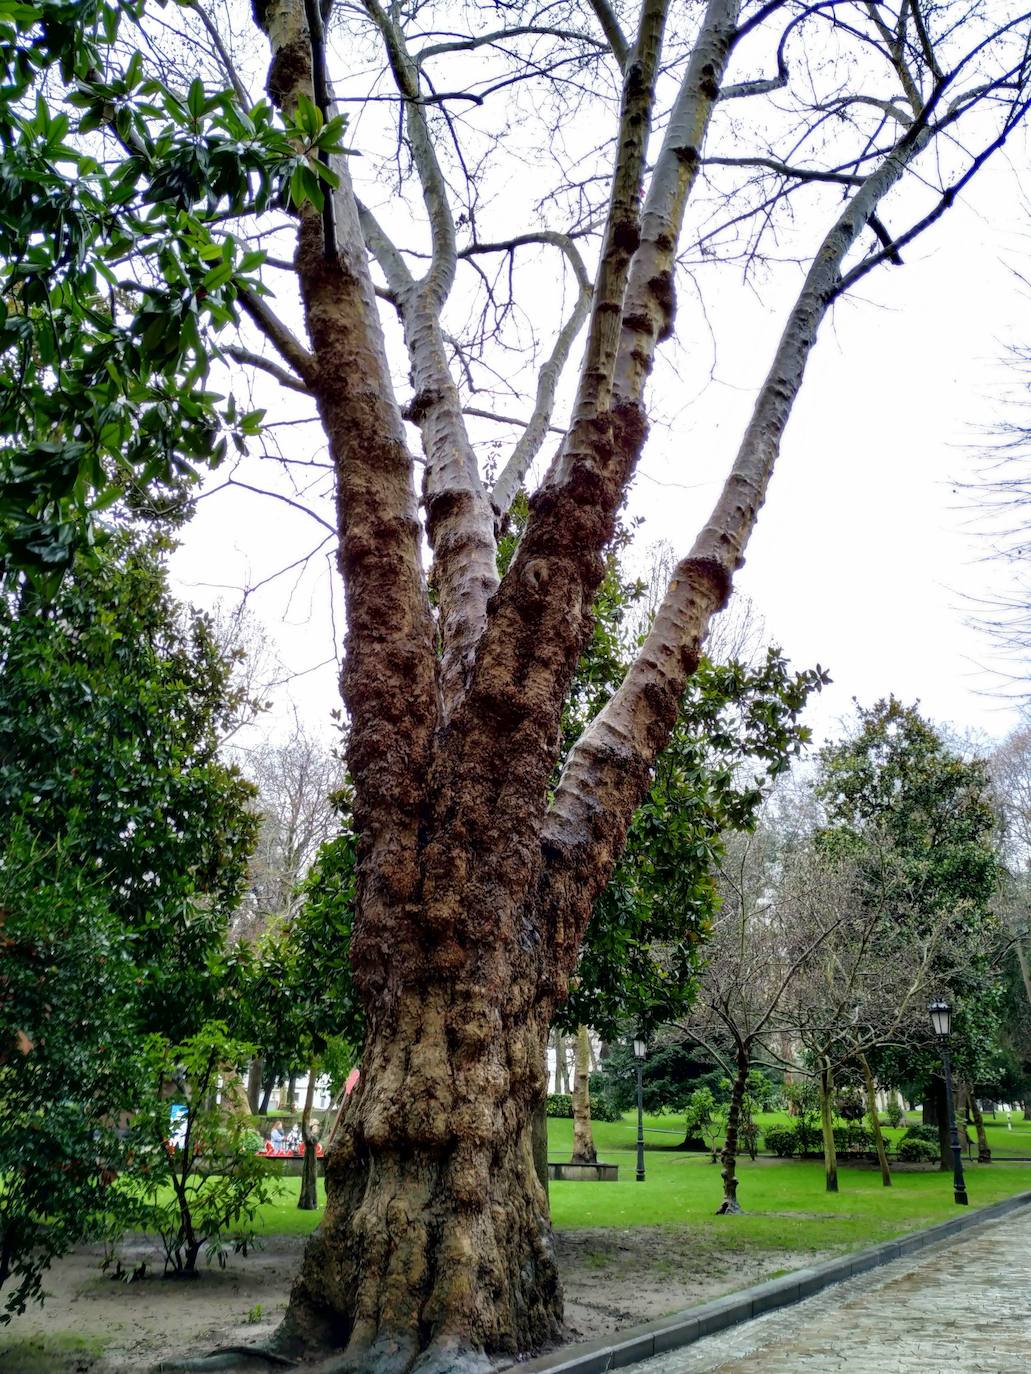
604, 1109
928, 1133
894, 1114
560, 1104
196, 1180
852, 1139
782, 1140
917, 1151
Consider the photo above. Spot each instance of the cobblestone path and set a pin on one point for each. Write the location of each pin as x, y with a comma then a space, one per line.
961, 1307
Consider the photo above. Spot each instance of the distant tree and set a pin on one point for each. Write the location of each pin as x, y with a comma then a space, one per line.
755, 955
739, 729
917, 821
297, 782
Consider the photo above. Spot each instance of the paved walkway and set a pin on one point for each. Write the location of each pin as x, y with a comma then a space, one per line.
961, 1307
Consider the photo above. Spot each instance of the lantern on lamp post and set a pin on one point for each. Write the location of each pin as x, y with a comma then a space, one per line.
640, 1050
941, 1019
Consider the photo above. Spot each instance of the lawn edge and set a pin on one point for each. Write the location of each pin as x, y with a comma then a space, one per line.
683, 1328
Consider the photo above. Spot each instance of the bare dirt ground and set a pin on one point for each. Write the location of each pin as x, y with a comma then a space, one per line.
92, 1324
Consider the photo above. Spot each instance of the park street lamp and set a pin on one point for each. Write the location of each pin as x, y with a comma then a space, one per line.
640, 1050
941, 1020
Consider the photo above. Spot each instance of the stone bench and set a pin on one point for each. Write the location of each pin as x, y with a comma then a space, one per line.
583, 1173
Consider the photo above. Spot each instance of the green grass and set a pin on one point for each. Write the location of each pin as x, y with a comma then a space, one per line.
45, 1354
786, 1204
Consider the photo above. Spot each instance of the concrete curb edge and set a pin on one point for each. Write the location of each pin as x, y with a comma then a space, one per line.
684, 1328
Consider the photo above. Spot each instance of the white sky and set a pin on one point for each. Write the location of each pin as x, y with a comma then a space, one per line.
862, 557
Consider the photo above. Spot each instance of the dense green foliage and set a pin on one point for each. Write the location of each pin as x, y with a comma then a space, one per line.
918, 820
123, 850
739, 728
560, 1106
117, 273
68, 1060
112, 701
916, 1151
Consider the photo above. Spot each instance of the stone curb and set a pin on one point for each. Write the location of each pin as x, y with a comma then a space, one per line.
684, 1328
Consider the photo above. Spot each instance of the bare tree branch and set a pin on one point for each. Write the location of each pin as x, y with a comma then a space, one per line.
228, 66
286, 344
288, 379
529, 445
614, 35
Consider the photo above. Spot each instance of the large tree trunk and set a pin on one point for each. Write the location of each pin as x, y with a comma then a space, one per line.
583, 1138
730, 1204
561, 1063
436, 1240
875, 1121
830, 1154
476, 874
254, 1085
984, 1152
539, 1130
308, 1198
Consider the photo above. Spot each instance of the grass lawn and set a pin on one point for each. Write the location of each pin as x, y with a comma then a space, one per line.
786, 1205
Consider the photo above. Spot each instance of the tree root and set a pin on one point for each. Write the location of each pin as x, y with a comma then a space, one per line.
444, 1357
729, 1208
383, 1357
243, 1358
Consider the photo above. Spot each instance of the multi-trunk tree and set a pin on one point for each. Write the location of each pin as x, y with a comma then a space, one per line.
124, 220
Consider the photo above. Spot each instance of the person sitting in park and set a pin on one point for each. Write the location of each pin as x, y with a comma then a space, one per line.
293, 1140
276, 1138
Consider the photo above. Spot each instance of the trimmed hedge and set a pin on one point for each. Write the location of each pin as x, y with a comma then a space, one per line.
850, 1139
782, 1140
561, 1105
921, 1132
853, 1139
918, 1151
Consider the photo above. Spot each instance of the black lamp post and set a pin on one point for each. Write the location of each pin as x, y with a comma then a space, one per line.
640, 1050
941, 1020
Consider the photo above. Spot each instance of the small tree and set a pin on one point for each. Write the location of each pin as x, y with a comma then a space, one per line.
205, 1157
753, 962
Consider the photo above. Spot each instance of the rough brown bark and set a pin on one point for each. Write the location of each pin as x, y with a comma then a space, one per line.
424, 1268
875, 1121
730, 1204
830, 1154
583, 1137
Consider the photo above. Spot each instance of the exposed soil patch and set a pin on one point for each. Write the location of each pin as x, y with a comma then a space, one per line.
92, 1324
614, 1279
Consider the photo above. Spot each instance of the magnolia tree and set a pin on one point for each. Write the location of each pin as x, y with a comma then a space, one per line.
126, 221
